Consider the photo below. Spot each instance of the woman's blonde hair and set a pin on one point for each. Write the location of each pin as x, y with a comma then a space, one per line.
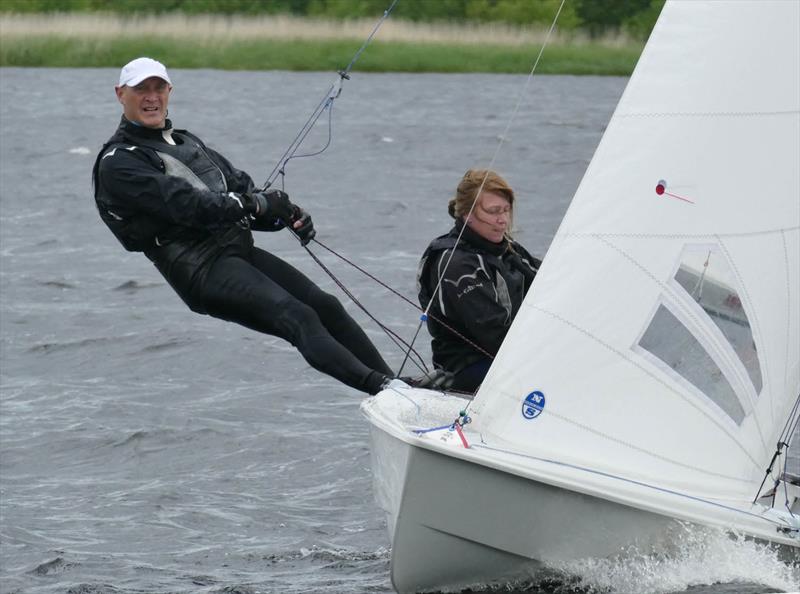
467, 191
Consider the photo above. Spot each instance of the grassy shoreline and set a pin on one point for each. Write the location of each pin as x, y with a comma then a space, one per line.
62, 52
285, 43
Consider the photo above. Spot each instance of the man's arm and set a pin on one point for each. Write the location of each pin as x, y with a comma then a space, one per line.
241, 182
135, 180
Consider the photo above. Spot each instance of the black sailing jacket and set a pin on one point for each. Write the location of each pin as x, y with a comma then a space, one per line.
480, 294
180, 204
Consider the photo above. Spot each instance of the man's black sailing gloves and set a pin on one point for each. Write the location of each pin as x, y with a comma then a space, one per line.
273, 206
305, 231
270, 204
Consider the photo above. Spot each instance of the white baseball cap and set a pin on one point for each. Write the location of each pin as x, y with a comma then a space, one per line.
141, 69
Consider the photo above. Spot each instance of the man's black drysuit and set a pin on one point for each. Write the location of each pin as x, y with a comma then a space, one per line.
164, 193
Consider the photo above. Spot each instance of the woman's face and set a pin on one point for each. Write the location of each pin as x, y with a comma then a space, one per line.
491, 216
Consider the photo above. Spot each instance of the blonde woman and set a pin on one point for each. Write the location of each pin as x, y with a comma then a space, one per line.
484, 277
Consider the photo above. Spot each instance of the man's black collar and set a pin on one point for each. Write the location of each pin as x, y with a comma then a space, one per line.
132, 129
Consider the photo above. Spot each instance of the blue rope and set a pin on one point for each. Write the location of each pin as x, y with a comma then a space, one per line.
421, 431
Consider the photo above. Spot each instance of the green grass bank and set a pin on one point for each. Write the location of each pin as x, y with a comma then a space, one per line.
281, 43
317, 55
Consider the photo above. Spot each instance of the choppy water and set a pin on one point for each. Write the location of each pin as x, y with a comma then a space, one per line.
148, 449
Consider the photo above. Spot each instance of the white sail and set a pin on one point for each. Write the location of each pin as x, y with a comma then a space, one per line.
663, 330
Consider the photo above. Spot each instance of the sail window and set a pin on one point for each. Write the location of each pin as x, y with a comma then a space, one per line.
669, 340
705, 274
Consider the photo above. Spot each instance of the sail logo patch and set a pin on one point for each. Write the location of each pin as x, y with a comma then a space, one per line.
533, 405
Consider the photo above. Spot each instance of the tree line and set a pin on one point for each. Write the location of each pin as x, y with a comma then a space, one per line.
634, 17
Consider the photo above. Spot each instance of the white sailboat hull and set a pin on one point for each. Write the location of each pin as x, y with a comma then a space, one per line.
459, 517
443, 538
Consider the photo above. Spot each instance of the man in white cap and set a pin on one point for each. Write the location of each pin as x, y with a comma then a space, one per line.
143, 90
163, 192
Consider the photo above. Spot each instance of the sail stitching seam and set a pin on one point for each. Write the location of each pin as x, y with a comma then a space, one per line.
682, 235
705, 114
788, 312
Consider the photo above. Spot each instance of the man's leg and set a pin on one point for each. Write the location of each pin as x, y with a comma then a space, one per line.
237, 291
329, 309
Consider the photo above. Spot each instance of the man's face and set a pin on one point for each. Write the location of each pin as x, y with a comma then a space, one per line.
146, 103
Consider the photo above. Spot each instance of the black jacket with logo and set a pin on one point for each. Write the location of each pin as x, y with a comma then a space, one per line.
180, 204
481, 291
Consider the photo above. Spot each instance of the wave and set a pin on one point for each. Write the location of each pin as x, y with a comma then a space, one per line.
133, 286
162, 437
704, 556
50, 347
329, 555
172, 343
54, 566
57, 284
